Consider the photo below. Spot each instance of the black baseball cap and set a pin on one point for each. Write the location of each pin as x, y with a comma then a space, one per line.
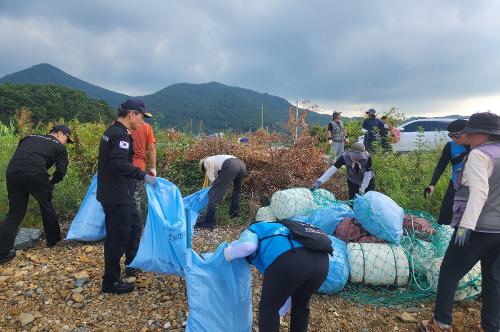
64, 129
136, 105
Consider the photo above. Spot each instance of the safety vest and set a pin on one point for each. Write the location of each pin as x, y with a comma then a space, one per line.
355, 175
456, 162
274, 239
337, 131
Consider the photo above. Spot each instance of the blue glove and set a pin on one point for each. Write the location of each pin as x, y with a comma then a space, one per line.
149, 179
316, 186
462, 237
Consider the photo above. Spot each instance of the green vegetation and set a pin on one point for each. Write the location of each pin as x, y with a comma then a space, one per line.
51, 102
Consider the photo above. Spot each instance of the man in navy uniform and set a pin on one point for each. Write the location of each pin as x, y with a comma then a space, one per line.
27, 173
116, 181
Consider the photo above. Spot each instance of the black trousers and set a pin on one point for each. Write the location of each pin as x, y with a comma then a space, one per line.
233, 171
446, 211
354, 188
297, 273
123, 235
457, 262
19, 187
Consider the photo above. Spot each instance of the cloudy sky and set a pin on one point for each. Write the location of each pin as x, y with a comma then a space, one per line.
424, 57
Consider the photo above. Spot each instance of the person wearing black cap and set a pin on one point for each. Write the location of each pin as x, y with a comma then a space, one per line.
337, 135
476, 215
116, 181
373, 128
27, 173
454, 153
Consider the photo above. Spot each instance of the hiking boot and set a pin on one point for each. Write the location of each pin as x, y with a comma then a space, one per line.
209, 220
131, 272
7, 257
118, 287
431, 325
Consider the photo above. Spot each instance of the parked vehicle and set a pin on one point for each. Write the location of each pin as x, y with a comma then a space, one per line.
434, 134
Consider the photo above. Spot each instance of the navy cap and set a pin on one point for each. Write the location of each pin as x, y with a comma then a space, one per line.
64, 129
136, 105
371, 111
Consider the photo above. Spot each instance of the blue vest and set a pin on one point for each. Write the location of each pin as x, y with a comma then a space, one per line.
456, 150
274, 239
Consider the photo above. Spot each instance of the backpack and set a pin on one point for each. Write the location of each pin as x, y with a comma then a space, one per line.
308, 235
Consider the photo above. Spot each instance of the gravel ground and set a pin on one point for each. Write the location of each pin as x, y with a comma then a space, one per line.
42, 290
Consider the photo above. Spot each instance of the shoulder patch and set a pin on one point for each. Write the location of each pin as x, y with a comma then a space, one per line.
123, 145
105, 138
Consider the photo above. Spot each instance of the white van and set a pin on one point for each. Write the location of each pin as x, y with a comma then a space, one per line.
434, 134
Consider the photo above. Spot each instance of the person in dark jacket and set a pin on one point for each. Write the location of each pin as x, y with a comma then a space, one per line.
27, 173
290, 271
360, 176
454, 153
116, 181
222, 171
476, 217
373, 128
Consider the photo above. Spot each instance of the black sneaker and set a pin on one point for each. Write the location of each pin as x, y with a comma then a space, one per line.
118, 287
204, 225
7, 257
131, 272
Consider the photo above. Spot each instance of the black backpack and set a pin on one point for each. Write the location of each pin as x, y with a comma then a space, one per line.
308, 235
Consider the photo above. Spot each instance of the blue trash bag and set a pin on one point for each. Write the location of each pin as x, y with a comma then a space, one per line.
194, 204
380, 216
338, 271
219, 293
88, 224
163, 244
327, 219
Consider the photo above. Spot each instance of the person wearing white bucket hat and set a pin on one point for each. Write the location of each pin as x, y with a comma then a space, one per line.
360, 176
476, 214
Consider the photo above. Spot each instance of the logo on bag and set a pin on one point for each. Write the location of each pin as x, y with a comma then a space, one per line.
124, 145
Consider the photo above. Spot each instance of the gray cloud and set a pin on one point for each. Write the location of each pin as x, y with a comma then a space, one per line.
358, 52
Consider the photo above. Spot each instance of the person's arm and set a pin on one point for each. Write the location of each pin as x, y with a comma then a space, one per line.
367, 176
246, 245
61, 167
331, 171
330, 132
441, 165
476, 174
151, 148
119, 158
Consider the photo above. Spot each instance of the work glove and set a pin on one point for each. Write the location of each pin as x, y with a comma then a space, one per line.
428, 191
316, 186
152, 171
149, 179
361, 192
462, 237
330, 141
346, 141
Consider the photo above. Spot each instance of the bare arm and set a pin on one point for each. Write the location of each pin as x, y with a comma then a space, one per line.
152, 154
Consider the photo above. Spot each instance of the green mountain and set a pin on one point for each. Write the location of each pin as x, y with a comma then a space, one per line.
48, 74
214, 106
50, 103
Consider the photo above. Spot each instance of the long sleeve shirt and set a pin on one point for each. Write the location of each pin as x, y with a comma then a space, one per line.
475, 175
213, 165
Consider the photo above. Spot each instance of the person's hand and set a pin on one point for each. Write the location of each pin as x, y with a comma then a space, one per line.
364, 131
152, 171
330, 141
149, 179
361, 192
462, 237
316, 186
428, 191
346, 141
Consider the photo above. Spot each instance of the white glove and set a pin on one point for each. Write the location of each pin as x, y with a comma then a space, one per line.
361, 192
150, 179
153, 171
364, 131
330, 141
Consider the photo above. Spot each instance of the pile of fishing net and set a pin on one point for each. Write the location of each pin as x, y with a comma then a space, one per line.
382, 255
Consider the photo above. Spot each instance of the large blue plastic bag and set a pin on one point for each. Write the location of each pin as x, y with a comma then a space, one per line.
219, 293
88, 224
380, 216
327, 219
163, 244
338, 271
194, 204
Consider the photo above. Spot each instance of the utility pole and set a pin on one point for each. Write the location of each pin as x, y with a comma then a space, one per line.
262, 117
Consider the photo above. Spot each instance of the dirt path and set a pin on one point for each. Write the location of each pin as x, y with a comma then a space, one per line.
38, 288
